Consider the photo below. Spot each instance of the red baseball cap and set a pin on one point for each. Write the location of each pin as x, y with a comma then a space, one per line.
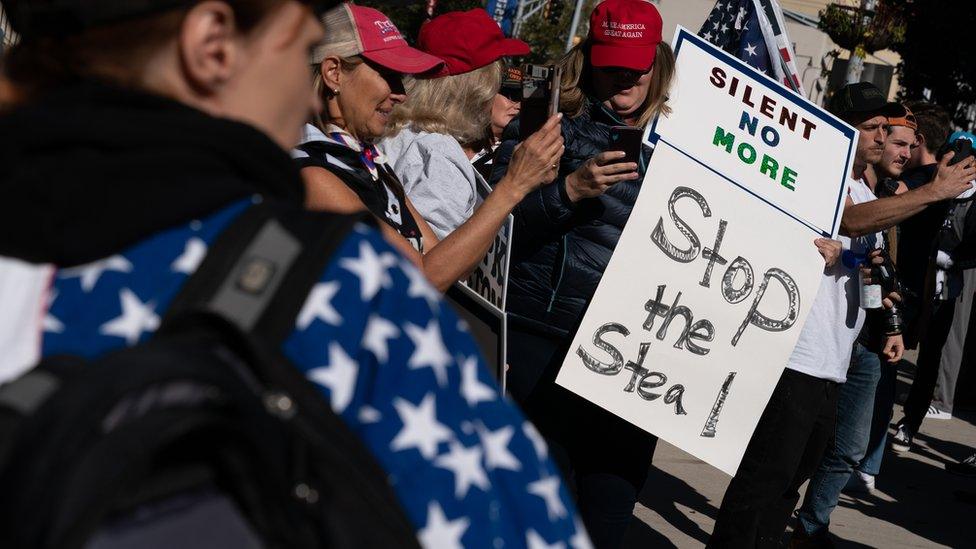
466, 40
624, 33
356, 30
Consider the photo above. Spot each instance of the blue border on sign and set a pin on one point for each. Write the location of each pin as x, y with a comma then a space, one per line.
781, 210
653, 137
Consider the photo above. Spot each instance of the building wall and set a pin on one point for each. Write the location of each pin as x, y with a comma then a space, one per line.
8, 37
811, 45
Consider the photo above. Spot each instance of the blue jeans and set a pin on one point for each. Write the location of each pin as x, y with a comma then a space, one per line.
855, 409
884, 403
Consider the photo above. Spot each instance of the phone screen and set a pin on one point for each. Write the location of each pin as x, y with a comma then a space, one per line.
540, 97
628, 140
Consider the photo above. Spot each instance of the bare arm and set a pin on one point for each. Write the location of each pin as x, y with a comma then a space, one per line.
875, 215
880, 214
444, 262
447, 261
458, 253
454, 257
326, 192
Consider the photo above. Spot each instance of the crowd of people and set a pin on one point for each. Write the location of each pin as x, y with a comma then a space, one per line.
138, 139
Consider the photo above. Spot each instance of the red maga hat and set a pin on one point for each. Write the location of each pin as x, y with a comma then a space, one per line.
356, 30
467, 40
624, 33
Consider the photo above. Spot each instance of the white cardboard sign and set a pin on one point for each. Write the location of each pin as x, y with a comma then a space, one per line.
489, 279
714, 274
481, 298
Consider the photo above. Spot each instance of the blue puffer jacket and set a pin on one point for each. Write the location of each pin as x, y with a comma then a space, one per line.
561, 249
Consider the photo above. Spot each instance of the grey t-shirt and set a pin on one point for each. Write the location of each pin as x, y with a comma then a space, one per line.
436, 174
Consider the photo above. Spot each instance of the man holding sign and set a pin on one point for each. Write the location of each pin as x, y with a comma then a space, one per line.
800, 418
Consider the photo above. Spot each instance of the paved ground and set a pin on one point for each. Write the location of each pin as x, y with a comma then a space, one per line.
914, 505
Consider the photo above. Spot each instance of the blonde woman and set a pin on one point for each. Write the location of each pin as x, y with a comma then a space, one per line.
360, 68
436, 133
564, 236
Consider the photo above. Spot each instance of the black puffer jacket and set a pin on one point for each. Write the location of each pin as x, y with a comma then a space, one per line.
561, 249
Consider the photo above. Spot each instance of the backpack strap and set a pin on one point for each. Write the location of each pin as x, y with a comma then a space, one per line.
259, 271
254, 280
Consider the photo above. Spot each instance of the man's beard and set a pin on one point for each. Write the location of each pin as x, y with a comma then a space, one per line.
873, 157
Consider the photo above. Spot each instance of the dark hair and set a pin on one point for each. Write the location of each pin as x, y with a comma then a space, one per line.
114, 51
934, 123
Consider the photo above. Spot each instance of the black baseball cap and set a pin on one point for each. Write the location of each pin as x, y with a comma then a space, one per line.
862, 100
30, 18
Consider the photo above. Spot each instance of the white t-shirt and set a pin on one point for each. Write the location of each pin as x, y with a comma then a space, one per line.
824, 347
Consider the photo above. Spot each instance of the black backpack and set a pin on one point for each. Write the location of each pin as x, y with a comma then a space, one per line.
206, 435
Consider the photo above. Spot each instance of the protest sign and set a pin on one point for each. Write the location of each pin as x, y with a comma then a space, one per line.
715, 272
486, 323
480, 299
490, 277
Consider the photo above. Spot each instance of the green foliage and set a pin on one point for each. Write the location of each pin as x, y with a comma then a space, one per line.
408, 16
937, 55
548, 40
846, 26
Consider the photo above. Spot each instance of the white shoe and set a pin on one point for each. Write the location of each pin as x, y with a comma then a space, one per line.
902, 439
859, 483
935, 413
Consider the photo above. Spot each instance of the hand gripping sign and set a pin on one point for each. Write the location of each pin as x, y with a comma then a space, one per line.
711, 281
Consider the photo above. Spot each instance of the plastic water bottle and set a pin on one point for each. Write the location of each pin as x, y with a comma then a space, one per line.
871, 295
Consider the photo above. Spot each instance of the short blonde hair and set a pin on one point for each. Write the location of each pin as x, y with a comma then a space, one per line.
575, 85
457, 105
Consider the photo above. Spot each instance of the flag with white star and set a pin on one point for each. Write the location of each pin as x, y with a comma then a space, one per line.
393, 361
753, 31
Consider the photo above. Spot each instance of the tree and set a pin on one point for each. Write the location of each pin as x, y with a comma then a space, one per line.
548, 38
408, 16
936, 57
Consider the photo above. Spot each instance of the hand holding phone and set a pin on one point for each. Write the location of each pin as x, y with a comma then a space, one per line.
598, 174
540, 97
628, 140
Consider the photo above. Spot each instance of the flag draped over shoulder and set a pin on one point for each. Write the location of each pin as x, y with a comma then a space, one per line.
754, 31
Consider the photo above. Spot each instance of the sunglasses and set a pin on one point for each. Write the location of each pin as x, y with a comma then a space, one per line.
622, 71
510, 93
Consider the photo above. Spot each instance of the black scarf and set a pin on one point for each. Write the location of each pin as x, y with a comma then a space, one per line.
90, 169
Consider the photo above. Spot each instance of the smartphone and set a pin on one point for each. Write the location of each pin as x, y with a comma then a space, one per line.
628, 140
540, 97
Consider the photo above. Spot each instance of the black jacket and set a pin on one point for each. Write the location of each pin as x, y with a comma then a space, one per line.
917, 234
561, 249
89, 169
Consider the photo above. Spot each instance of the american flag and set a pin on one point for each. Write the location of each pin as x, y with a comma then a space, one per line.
750, 30
395, 363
